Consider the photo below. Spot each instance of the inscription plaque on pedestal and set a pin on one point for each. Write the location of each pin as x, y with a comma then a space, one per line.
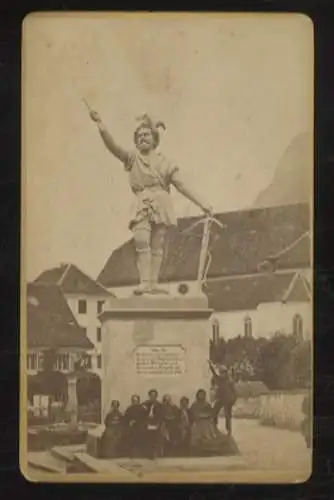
160, 360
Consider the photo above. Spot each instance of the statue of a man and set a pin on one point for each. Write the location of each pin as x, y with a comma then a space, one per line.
151, 176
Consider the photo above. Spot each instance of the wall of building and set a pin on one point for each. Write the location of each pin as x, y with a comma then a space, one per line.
231, 323
89, 320
266, 320
65, 361
280, 317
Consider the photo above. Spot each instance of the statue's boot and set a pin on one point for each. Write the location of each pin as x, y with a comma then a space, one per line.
156, 261
144, 270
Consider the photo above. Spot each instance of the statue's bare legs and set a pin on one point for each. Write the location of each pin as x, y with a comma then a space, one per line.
158, 237
149, 241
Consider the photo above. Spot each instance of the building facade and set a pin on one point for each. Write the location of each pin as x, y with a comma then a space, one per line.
86, 300
52, 328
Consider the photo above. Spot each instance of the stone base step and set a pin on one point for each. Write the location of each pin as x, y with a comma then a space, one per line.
67, 453
115, 472
44, 461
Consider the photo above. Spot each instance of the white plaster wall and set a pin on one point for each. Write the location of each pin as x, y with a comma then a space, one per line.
232, 323
89, 321
278, 316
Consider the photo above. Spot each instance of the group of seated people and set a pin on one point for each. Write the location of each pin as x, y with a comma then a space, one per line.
154, 429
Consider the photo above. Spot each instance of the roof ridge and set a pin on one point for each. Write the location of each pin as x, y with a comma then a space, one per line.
87, 276
290, 246
306, 286
290, 287
68, 265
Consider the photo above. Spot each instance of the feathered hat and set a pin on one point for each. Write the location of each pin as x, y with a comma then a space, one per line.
146, 121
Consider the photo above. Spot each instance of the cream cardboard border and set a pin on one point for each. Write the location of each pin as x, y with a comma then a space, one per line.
238, 477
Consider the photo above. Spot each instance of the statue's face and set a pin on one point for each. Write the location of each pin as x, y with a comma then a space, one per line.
144, 139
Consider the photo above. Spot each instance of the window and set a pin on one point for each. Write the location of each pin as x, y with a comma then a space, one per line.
99, 361
32, 361
88, 362
100, 304
82, 306
248, 327
41, 361
297, 327
215, 331
63, 362
98, 334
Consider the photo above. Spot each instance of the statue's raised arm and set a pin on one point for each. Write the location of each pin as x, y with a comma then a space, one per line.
118, 151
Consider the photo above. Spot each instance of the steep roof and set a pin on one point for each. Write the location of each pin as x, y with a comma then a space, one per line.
250, 236
50, 322
71, 280
246, 293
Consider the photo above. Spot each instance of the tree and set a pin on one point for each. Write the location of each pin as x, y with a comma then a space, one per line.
274, 362
217, 351
301, 363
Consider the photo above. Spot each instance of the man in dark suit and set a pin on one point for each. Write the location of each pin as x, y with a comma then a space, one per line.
154, 418
225, 395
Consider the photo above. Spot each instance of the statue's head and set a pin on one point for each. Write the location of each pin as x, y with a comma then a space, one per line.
146, 136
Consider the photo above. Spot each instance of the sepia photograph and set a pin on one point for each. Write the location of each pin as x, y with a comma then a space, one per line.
167, 239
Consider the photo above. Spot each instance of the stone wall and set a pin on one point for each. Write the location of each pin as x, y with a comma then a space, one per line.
282, 409
277, 409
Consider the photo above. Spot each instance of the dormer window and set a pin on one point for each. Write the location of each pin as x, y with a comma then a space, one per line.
215, 331
248, 327
297, 327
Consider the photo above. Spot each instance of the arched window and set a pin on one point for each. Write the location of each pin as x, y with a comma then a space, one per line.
215, 331
248, 327
297, 327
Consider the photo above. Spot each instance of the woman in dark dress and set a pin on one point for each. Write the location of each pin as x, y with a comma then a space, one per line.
113, 432
170, 427
134, 427
205, 438
185, 420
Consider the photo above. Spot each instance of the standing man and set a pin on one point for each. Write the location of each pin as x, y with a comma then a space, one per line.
151, 176
153, 422
226, 395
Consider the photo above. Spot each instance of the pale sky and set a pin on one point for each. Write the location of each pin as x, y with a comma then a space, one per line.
234, 90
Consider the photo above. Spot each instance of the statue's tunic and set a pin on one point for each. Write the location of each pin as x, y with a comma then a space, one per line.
150, 180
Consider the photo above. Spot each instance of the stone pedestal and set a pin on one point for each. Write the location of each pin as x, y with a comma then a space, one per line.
155, 342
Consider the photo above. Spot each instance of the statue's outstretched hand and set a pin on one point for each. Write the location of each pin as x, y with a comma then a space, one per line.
208, 210
95, 116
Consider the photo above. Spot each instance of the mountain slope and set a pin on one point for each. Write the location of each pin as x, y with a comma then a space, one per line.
292, 180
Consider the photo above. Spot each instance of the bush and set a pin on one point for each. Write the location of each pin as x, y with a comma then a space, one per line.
280, 362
